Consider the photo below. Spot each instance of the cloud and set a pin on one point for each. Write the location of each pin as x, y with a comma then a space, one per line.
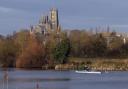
11, 10
6, 10
120, 26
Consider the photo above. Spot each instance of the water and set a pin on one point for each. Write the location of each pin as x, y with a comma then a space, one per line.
28, 79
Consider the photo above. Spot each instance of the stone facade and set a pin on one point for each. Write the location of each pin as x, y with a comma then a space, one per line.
47, 24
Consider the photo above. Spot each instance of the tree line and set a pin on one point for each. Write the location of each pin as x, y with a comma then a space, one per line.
23, 50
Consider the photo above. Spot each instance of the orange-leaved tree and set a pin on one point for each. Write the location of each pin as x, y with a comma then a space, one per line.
33, 56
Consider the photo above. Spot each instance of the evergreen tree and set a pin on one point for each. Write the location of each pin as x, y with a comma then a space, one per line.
61, 51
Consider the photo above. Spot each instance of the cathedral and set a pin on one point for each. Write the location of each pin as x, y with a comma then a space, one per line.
47, 24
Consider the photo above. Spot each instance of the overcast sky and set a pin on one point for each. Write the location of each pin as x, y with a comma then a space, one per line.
18, 14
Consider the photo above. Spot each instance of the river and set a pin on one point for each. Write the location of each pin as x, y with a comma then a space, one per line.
29, 79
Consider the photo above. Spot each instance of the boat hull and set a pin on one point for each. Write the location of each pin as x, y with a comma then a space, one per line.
88, 72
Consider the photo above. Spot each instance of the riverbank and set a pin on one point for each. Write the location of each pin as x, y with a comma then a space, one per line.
95, 64
98, 64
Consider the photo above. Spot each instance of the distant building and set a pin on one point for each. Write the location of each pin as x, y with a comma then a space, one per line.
47, 24
109, 36
54, 19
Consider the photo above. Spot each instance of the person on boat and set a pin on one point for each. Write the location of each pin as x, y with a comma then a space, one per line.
86, 68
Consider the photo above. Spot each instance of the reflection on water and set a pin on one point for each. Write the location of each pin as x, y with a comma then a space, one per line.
38, 79
28, 79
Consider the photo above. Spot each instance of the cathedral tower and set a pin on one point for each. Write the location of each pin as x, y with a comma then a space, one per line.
54, 18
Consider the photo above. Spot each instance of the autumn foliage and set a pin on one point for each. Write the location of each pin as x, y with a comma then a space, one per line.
33, 56
23, 50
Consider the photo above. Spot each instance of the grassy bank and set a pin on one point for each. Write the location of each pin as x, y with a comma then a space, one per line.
95, 64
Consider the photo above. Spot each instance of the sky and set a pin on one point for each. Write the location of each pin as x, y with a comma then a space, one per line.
73, 14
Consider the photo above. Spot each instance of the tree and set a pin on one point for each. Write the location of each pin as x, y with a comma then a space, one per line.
124, 50
61, 51
114, 48
85, 44
74, 38
21, 38
99, 46
8, 52
33, 56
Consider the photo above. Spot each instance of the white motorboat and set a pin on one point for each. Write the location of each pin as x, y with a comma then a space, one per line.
88, 72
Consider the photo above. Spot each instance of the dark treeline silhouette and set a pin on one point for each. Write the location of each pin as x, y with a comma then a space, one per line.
23, 50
